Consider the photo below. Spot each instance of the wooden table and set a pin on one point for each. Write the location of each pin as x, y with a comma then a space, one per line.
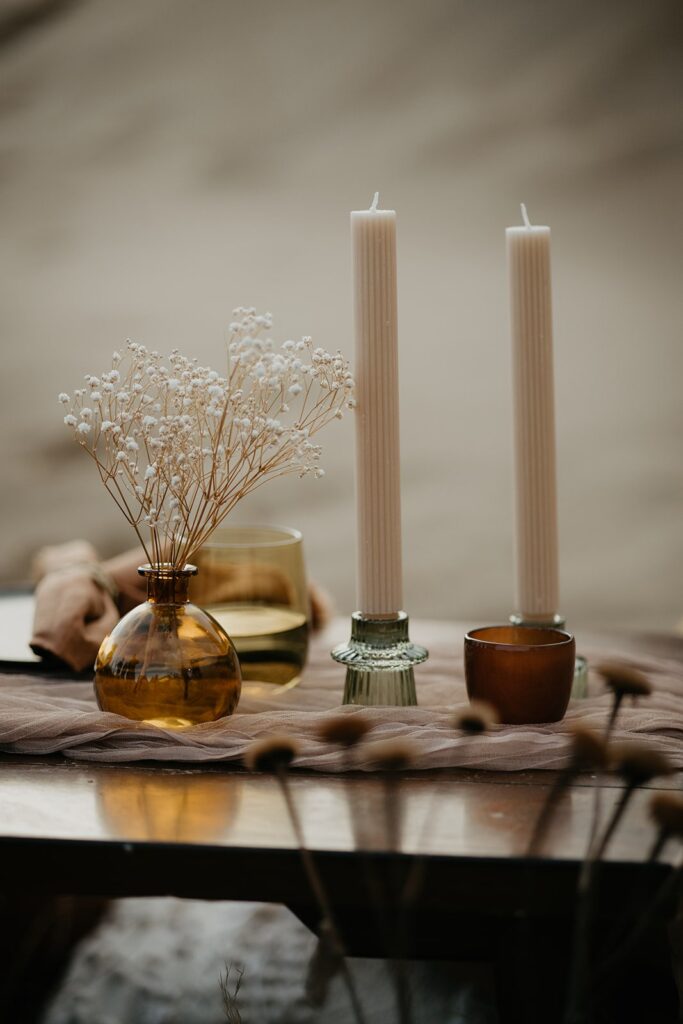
220, 833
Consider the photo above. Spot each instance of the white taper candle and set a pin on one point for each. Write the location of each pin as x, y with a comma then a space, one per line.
536, 544
378, 489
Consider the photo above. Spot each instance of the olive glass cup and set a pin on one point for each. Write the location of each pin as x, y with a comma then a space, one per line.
252, 580
525, 672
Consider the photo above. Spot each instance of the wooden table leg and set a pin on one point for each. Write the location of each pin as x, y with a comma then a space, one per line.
37, 937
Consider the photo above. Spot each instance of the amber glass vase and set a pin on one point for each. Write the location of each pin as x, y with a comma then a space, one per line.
168, 662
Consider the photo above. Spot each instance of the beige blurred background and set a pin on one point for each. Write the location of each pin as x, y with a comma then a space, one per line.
165, 161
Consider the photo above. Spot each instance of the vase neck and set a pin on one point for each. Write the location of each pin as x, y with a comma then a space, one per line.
166, 583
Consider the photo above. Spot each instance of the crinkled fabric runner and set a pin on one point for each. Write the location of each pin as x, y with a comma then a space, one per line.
43, 716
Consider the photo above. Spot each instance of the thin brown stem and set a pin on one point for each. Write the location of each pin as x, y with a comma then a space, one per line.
613, 823
561, 784
392, 810
663, 897
318, 889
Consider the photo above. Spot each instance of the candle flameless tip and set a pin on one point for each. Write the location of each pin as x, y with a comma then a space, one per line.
525, 216
375, 201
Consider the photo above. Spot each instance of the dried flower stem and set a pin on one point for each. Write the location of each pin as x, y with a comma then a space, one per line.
658, 845
614, 711
576, 999
393, 814
666, 809
561, 784
615, 818
232, 1013
623, 681
478, 718
587, 881
318, 890
349, 731
391, 756
636, 763
325, 963
663, 897
588, 752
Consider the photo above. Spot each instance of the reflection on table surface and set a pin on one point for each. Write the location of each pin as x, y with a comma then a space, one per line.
180, 808
459, 813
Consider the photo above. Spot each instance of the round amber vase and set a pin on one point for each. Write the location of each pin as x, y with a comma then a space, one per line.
168, 662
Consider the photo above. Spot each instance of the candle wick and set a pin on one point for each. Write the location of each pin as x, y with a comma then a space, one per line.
525, 216
375, 201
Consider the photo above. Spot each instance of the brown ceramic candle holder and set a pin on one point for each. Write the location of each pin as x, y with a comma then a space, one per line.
526, 673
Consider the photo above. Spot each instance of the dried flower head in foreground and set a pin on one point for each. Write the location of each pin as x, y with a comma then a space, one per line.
177, 445
666, 810
391, 755
478, 717
624, 680
637, 762
271, 754
344, 730
588, 749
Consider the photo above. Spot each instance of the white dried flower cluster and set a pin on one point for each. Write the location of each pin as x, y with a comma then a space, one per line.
177, 445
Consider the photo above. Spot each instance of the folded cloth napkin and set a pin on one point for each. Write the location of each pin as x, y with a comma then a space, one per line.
39, 716
79, 600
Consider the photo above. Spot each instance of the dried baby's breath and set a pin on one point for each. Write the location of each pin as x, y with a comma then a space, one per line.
177, 445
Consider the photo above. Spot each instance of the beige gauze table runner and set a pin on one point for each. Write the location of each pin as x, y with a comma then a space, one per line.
39, 715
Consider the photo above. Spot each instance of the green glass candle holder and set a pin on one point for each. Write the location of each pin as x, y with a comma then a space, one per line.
580, 684
379, 660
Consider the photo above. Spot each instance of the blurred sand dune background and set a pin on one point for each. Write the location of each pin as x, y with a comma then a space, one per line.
165, 161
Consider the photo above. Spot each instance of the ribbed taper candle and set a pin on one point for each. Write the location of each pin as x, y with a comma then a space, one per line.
378, 493
536, 545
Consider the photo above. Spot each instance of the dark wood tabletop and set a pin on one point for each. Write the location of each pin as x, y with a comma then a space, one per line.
137, 818
216, 832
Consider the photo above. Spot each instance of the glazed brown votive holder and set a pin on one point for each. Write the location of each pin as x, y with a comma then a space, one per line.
525, 672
